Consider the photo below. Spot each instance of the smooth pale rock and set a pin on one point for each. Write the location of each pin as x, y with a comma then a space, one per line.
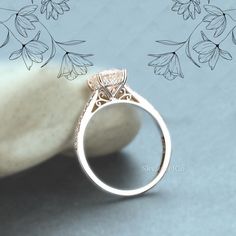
39, 113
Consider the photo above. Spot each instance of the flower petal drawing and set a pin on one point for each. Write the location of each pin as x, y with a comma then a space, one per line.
221, 29
65, 6
15, 54
214, 58
54, 8
38, 58
30, 52
25, 19
161, 59
167, 65
234, 35
25, 23
79, 59
20, 30
66, 66
226, 55
32, 18
74, 64
187, 8
6, 40
216, 20
203, 58
209, 52
26, 58
204, 47
36, 47
209, 18
213, 10
27, 10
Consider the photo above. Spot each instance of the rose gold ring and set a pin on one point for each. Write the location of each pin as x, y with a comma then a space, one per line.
109, 88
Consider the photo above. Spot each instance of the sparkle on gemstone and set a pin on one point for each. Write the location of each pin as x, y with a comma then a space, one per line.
107, 78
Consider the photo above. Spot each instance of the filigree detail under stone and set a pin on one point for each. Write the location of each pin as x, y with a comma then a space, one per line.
125, 95
101, 99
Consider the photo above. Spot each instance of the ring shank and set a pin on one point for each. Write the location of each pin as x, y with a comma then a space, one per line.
145, 105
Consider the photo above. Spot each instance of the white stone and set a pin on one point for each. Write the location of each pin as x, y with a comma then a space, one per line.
39, 113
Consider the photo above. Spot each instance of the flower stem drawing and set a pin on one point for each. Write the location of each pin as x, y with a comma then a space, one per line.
207, 51
33, 50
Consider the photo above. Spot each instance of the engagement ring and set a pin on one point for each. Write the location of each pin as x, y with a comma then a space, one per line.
109, 89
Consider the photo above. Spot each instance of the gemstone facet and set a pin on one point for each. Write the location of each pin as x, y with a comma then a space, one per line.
111, 81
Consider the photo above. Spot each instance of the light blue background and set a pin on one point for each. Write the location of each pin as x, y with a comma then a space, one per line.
197, 196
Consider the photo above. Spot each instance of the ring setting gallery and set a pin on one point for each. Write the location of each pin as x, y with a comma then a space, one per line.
109, 88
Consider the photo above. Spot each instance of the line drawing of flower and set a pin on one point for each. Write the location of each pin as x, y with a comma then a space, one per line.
79, 66
187, 8
74, 64
176, 62
167, 65
216, 19
210, 52
205, 50
54, 8
234, 35
24, 19
30, 52
33, 50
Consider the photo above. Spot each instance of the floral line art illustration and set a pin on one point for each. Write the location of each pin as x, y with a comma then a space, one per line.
24, 22
206, 51
52, 9
188, 8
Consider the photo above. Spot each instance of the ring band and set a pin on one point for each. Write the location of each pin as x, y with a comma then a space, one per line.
109, 88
